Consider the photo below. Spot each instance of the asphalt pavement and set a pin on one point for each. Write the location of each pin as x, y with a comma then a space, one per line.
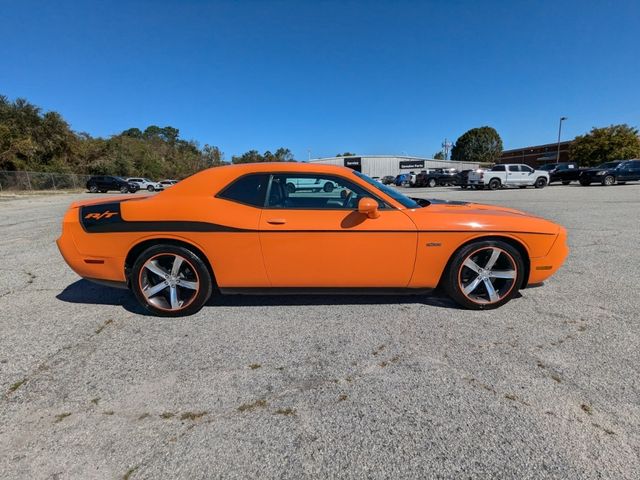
548, 386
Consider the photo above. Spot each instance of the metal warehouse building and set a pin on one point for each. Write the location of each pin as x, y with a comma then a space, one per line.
381, 165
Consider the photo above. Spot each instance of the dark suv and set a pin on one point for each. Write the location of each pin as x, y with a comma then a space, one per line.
565, 172
105, 183
608, 173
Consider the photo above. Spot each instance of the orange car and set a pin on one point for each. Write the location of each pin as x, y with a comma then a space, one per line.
243, 228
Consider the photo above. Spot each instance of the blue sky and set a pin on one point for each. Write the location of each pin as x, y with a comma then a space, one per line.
370, 77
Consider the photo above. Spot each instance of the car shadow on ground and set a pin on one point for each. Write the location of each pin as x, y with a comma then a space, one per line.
86, 292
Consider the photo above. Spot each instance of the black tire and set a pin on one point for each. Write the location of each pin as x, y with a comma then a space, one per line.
150, 188
566, 182
328, 187
494, 184
124, 189
458, 276
608, 180
291, 188
195, 270
585, 183
431, 183
541, 182
93, 188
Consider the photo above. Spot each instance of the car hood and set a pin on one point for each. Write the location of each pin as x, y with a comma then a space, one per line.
461, 216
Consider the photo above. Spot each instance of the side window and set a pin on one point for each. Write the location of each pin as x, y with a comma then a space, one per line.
514, 168
314, 192
526, 169
248, 190
498, 168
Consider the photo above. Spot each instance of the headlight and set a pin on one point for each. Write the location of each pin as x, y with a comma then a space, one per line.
601, 173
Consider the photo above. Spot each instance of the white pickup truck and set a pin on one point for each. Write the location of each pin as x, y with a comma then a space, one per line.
508, 175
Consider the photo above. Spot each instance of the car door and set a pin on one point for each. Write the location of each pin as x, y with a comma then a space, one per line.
514, 175
629, 171
526, 175
319, 239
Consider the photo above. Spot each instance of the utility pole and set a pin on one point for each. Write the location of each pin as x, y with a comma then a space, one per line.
559, 132
446, 145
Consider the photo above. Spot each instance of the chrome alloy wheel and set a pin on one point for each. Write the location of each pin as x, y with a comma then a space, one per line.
487, 275
169, 281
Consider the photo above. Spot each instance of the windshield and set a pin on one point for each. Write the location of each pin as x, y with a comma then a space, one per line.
397, 196
609, 165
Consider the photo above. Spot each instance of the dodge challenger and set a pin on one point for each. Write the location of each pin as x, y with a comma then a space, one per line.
240, 229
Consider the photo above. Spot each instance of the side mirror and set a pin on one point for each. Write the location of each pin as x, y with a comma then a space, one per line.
369, 207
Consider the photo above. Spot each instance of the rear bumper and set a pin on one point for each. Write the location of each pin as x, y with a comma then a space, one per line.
543, 267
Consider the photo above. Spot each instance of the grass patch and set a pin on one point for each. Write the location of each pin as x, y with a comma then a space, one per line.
556, 378
167, 415
108, 412
383, 364
587, 409
247, 407
95, 400
254, 366
192, 415
103, 326
15, 386
61, 416
128, 473
143, 416
285, 411
342, 398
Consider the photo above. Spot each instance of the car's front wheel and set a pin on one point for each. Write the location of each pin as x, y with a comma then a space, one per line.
540, 183
484, 274
494, 184
150, 188
608, 180
124, 189
171, 281
93, 188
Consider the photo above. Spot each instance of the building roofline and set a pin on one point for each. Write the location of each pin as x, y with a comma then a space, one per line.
555, 144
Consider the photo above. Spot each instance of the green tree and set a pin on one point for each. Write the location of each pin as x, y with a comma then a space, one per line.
481, 144
212, 156
438, 156
616, 142
252, 156
346, 154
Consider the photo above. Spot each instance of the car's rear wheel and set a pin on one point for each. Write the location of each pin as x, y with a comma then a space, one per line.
494, 184
150, 188
291, 188
540, 182
171, 281
93, 188
431, 183
608, 180
484, 274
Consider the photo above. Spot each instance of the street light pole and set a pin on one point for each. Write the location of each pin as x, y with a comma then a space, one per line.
559, 133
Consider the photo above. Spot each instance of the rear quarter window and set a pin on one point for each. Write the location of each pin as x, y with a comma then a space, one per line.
248, 190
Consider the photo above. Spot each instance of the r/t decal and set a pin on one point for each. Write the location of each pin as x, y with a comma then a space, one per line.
100, 216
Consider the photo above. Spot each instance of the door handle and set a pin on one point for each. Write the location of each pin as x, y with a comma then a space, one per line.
277, 221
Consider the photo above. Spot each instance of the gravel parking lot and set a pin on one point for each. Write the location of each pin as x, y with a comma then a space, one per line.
547, 386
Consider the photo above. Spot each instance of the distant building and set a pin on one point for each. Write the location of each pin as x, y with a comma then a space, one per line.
382, 165
537, 155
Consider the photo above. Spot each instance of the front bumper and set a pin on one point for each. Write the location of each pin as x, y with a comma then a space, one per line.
544, 267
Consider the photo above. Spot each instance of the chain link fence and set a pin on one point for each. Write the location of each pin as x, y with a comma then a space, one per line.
14, 181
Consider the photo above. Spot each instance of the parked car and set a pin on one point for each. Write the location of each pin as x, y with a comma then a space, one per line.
239, 230
309, 184
620, 171
388, 180
106, 183
167, 183
509, 175
565, 172
146, 184
431, 178
402, 180
461, 178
